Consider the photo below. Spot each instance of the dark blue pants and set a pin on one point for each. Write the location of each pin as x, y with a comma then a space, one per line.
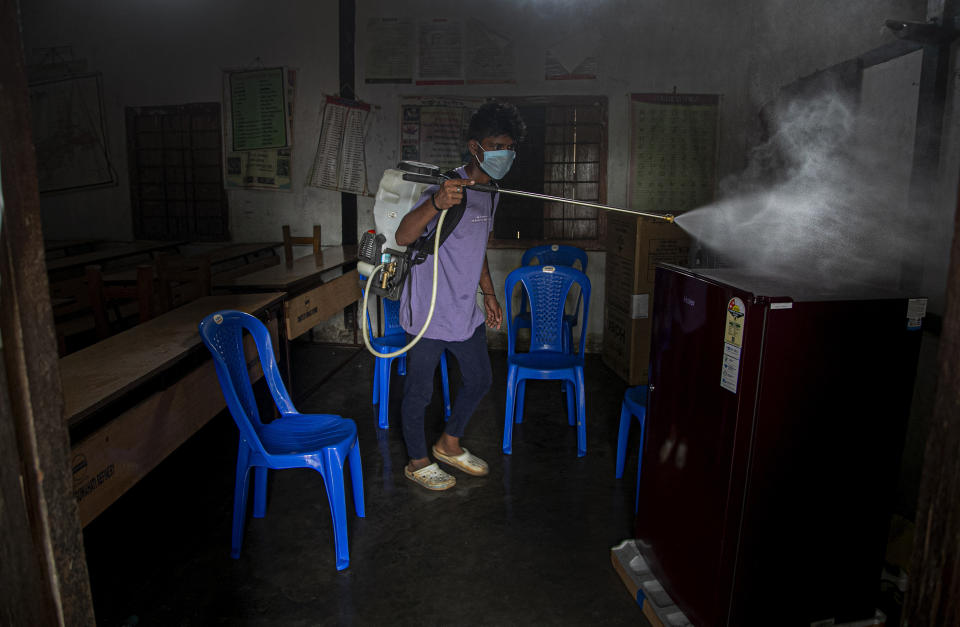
422, 360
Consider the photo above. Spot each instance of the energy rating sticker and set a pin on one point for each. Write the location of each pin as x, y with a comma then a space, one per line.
732, 342
736, 313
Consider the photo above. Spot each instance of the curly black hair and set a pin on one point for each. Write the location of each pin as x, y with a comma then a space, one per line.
496, 118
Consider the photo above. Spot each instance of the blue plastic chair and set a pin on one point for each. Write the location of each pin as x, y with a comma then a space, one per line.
553, 255
634, 406
323, 442
547, 287
395, 337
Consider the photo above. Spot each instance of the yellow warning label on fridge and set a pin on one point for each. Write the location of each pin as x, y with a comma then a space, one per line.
736, 315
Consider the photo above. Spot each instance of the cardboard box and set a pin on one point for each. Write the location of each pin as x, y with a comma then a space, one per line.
622, 289
626, 345
656, 605
646, 242
634, 248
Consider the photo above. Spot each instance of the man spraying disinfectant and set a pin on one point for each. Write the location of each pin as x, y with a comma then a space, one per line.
457, 323
452, 217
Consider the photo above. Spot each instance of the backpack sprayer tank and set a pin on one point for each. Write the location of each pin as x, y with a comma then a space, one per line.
395, 198
379, 252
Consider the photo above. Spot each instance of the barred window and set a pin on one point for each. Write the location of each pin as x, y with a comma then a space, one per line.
176, 173
565, 155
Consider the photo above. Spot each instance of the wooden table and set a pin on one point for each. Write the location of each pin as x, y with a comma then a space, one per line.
66, 274
303, 274
133, 398
310, 297
65, 247
251, 255
109, 253
244, 251
62, 302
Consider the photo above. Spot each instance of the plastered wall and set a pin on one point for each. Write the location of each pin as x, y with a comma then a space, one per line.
153, 53
169, 53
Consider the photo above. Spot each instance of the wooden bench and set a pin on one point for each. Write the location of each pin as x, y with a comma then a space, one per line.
55, 248
132, 399
237, 259
74, 317
226, 263
130, 253
66, 274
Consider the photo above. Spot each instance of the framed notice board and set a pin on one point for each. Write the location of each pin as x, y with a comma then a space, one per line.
258, 109
673, 151
258, 128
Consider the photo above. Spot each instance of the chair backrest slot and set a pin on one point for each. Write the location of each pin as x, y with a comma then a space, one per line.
555, 255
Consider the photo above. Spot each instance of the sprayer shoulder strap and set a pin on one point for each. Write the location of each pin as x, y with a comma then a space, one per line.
423, 245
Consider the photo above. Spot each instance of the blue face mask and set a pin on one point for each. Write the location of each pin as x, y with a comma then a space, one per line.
496, 163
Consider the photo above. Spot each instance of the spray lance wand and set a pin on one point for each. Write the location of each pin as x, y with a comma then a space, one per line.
379, 255
438, 180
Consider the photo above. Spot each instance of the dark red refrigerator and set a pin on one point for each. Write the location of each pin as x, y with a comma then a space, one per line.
775, 425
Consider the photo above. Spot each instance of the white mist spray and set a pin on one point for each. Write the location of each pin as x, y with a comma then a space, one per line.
823, 200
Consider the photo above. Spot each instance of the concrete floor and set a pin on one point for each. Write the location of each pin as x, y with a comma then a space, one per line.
529, 544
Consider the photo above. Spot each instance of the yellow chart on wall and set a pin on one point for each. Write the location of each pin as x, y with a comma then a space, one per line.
673, 151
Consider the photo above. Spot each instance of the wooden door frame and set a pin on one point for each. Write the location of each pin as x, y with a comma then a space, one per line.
933, 595
43, 572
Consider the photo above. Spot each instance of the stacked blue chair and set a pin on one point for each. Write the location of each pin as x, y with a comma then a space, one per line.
634, 406
553, 255
395, 337
323, 442
547, 288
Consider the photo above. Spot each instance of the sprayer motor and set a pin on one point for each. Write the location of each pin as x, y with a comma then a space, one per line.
396, 265
396, 196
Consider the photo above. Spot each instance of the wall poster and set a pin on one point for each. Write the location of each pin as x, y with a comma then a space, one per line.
436, 51
490, 57
258, 129
340, 163
258, 109
433, 129
673, 151
571, 60
440, 52
69, 133
389, 50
